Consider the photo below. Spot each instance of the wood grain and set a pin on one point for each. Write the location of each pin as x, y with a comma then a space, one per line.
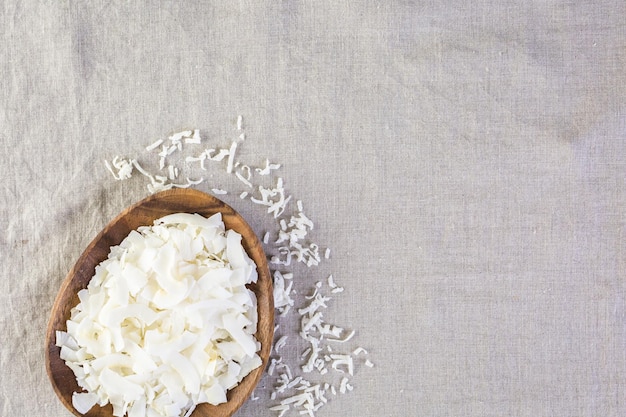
140, 214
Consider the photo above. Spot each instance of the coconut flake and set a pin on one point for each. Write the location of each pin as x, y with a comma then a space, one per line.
345, 339
269, 167
243, 179
331, 282
154, 145
273, 198
358, 351
239, 122
195, 138
124, 168
342, 361
231, 156
84, 401
280, 343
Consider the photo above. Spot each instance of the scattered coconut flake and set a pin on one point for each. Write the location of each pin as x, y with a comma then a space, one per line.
343, 385
368, 363
244, 175
124, 168
218, 191
345, 339
193, 182
287, 374
331, 282
280, 343
231, 155
176, 137
277, 205
243, 179
139, 168
269, 167
195, 138
282, 294
154, 145
358, 351
342, 361
272, 365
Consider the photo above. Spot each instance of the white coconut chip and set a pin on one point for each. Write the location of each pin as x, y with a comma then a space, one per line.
243, 179
343, 385
171, 172
342, 361
273, 198
245, 175
195, 138
176, 137
239, 122
154, 145
280, 343
331, 282
269, 167
123, 166
231, 156
358, 351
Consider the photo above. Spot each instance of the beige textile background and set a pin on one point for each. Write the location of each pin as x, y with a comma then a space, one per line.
465, 162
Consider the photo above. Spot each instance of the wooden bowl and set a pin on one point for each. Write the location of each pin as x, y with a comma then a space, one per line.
144, 213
